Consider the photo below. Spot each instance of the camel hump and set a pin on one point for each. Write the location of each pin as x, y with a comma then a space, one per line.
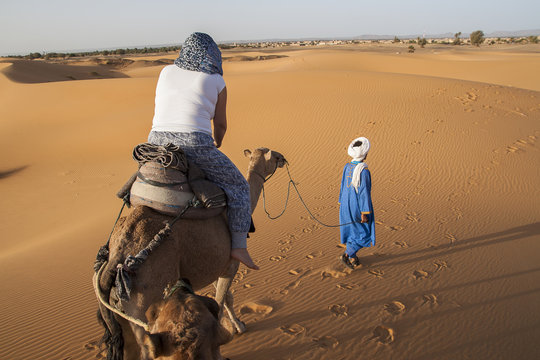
168, 191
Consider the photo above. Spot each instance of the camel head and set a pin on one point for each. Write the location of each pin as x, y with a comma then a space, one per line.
186, 326
264, 162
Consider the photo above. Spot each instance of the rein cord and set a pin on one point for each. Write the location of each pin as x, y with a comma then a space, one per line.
105, 303
292, 183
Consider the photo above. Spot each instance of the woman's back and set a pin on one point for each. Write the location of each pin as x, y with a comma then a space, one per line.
186, 100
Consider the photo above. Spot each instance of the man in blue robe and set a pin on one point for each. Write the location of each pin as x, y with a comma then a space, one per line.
357, 223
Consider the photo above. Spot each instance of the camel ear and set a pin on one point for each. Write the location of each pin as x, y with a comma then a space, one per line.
247, 153
268, 155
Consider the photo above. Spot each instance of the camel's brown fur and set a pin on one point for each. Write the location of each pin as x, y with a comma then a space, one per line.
197, 249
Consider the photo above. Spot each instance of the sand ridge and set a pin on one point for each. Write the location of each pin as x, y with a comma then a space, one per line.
455, 192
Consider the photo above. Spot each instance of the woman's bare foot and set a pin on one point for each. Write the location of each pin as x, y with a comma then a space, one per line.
242, 255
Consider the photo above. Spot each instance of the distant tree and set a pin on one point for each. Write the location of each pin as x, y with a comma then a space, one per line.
422, 42
396, 40
477, 37
457, 40
34, 55
411, 48
533, 39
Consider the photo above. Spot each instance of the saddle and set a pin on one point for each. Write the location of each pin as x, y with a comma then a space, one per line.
167, 182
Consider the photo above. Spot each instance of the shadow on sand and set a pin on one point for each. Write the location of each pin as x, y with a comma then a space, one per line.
33, 72
8, 173
454, 247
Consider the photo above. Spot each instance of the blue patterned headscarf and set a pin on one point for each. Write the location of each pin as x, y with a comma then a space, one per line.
200, 53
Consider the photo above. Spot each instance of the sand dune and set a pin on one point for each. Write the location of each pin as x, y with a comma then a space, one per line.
454, 159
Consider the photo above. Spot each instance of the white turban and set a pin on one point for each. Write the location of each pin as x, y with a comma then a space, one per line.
358, 153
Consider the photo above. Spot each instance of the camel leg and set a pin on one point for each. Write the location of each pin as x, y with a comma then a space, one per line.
224, 298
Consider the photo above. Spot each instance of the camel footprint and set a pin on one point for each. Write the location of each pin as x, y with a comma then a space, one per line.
326, 342
383, 334
292, 330
339, 310
395, 307
254, 308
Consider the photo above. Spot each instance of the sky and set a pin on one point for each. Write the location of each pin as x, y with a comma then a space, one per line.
63, 25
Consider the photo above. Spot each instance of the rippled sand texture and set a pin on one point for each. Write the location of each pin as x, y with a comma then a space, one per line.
455, 164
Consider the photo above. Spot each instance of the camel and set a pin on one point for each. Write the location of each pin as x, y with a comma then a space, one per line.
183, 325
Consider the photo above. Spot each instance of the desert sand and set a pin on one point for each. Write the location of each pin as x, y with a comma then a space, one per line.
455, 161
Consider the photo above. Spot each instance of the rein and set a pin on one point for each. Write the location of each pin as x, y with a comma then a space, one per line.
292, 183
105, 303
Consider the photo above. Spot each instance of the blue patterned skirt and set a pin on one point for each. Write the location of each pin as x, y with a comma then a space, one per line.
218, 168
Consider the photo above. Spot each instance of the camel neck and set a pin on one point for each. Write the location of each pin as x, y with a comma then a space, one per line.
255, 187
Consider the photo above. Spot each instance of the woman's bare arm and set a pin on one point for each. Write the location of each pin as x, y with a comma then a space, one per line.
220, 118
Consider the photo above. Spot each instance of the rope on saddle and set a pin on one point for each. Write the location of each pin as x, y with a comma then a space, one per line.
168, 155
125, 271
103, 253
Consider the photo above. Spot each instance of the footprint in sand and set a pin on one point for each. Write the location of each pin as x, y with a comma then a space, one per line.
395, 307
383, 334
402, 244
295, 271
450, 237
277, 258
345, 286
376, 272
512, 149
240, 275
326, 342
420, 274
254, 308
457, 212
429, 299
334, 273
412, 217
339, 310
294, 284
292, 330
247, 286
313, 255
440, 265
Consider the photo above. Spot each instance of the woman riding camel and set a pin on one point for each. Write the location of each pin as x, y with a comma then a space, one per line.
190, 95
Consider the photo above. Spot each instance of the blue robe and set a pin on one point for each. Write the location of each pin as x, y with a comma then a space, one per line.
352, 206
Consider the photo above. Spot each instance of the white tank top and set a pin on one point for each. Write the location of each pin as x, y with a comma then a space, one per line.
186, 100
